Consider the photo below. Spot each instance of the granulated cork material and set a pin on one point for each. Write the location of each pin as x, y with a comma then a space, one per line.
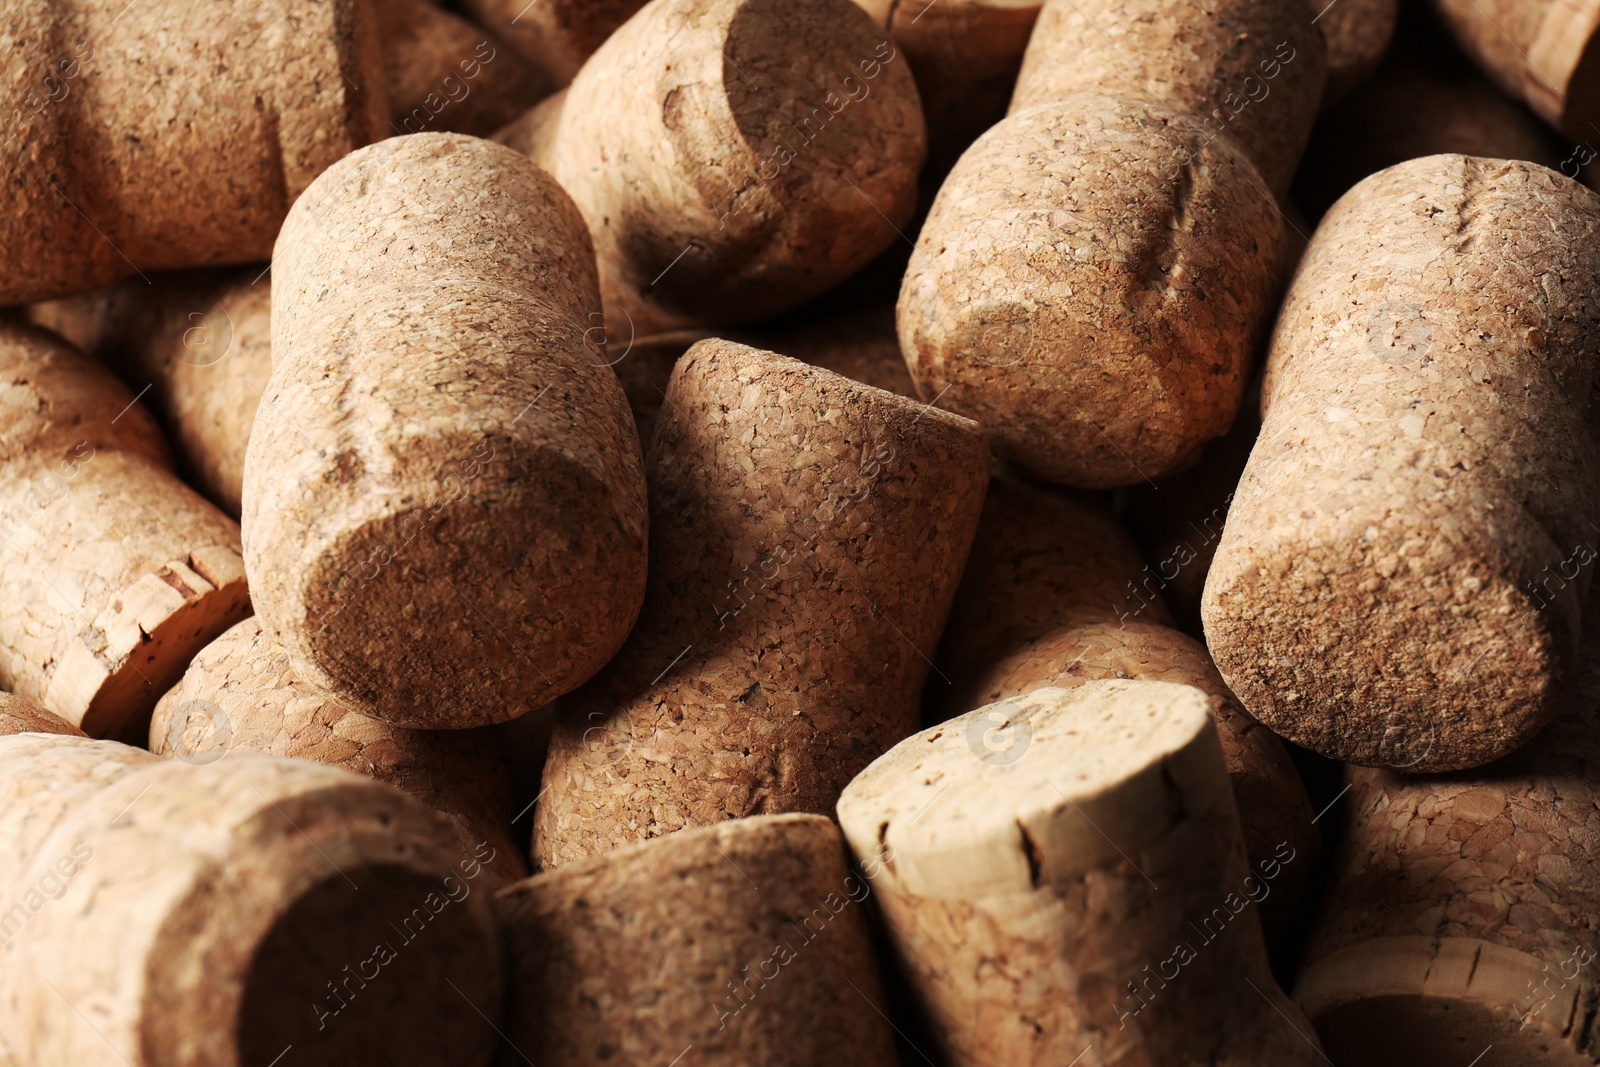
240, 695
809, 532
111, 170
556, 35
1400, 577
443, 497
1357, 33
1091, 892
201, 341
19, 716
1543, 52
1090, 286
113, 573
733, 158
737, 944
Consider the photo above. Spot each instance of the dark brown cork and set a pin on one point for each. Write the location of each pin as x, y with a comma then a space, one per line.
1087, 891
1400, 578
159, 135
443, 497
729, 945
240, 695
163, 913
1543, 52
808, 535
113, 573
1357, 33
557, 36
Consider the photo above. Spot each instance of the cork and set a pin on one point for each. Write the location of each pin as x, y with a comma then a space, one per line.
1090, 891
745, 942
1465, 909
809, 535
197, 346
1055, 594
164, 913
1358, 34
1401, 573
240, 695
733, 158
556, 35
19, 716
1090, 285
1545, 53
114, 173
443, 494
114, 572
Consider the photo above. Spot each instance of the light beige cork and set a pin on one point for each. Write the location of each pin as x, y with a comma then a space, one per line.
444, 497
1085, 896
733, 158
240, 695
730, 945
809, 532
1401, 573
156, 912
1464, 910
19, 716
1357, 33
113, 573
153, 136
200, 343
1090, 285
1543, 52
555, 35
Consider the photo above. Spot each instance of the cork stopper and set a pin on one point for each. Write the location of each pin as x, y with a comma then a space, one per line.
19, 716
1357, 33
443, 496
748, 941
1543, 52
557, 36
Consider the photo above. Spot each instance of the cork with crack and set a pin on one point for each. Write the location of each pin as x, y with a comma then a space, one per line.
808, 535
1545, 53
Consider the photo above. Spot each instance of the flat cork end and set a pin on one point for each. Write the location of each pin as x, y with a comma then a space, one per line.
1037, 789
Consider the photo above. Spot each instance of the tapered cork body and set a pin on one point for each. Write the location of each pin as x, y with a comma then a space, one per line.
809, 532
1087, 889
1465, 909
112, 173
1400, 577
746, 940
1250, 71
733, 158
19, 716
1357, 33
113, 573
240, 695
556, 35
1544, 52
1089, 287
200, 341
444, 497
162, 913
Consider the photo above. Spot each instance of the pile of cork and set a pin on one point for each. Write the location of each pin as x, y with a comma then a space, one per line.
832, 533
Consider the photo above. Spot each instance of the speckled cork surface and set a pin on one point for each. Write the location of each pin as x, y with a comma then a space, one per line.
240, 695
557, 36
19, 716
444, 497
111, 171
736, 944
1544, 52
1400, 577
1027, 897
807, 536
113, 573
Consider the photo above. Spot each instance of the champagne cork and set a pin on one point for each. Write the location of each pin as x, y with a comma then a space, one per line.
747, 941
1543, 52
200, 342
1400, 578
809, 535
733, 158
1087, 896
240, 695
19, 716
163, 913
1357, 33
114, 572
119, 173
443, 495
555, 35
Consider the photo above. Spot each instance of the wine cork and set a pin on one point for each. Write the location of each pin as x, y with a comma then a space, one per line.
130, 173
162, 913
19, 716
1407, 551
115, 573
733, 158
1088, 892
443, 495
200, 342
556, 35
1357, 33
809, 535
747, 941
240, 695
1543, 52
